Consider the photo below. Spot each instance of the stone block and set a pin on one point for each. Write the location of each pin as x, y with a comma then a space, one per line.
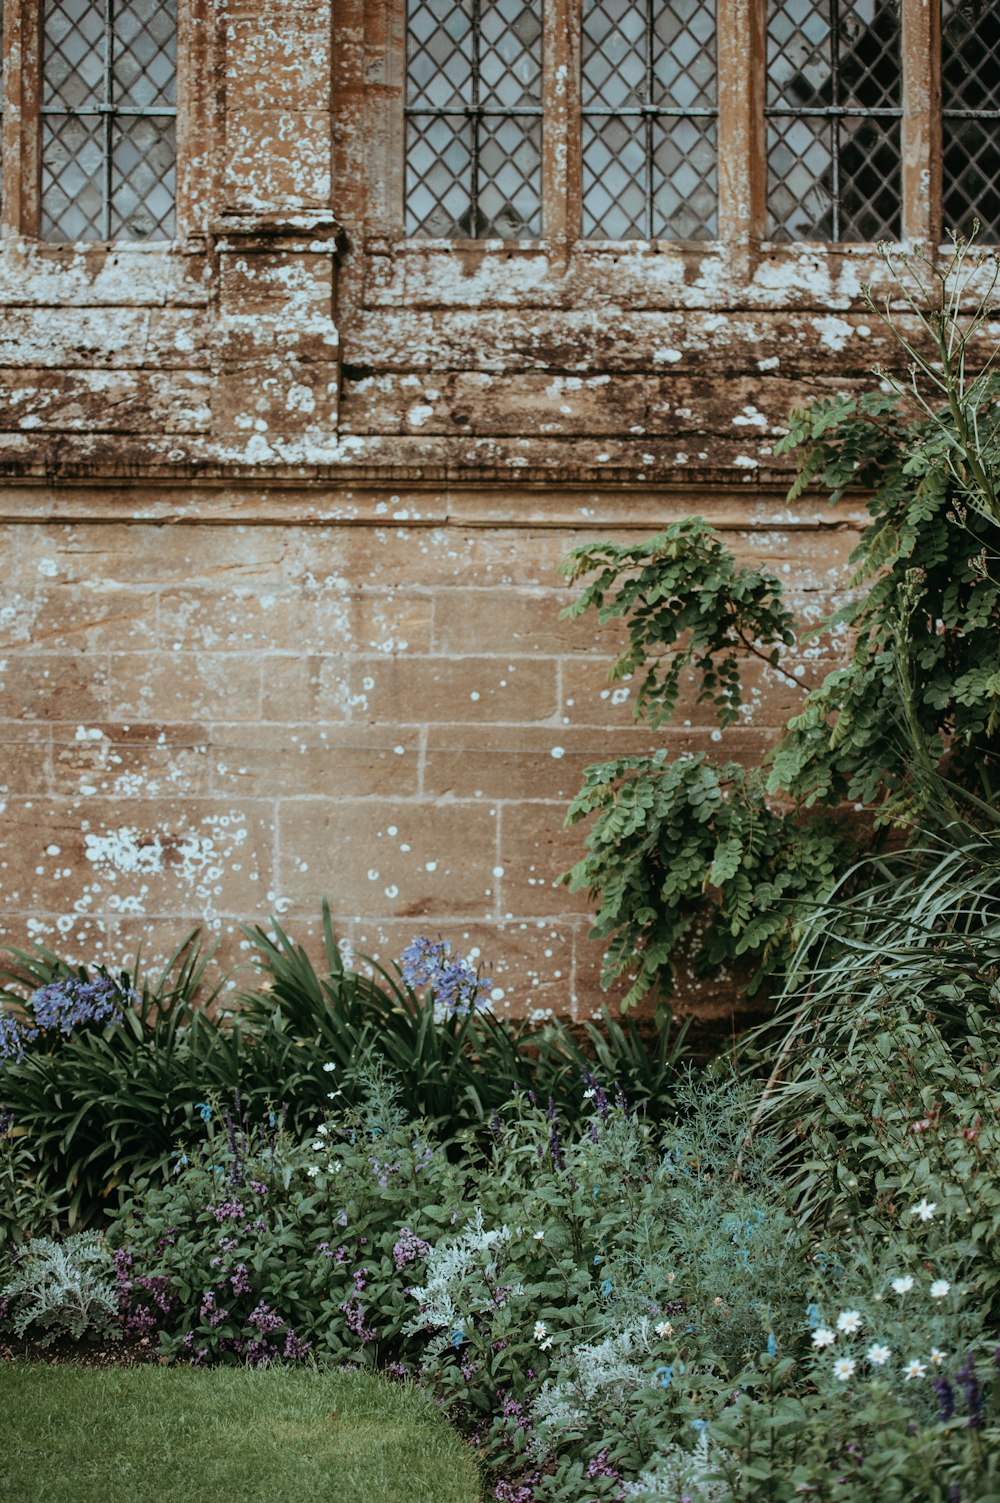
135, 856
388, 858
313, 760
54, 686
185, 685
415, 690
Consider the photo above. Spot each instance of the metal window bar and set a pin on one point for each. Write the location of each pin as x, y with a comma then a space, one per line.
108, 110
476, 113
650, 113
833, 112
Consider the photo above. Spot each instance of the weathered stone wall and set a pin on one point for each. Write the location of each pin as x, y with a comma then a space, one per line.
281, 512
235, 711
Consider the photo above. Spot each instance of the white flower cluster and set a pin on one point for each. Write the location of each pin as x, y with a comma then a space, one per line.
879, 1354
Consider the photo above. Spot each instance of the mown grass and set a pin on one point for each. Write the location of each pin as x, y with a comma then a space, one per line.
179, 1435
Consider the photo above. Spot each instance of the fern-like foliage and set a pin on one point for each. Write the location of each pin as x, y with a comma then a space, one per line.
688, 606
687, 857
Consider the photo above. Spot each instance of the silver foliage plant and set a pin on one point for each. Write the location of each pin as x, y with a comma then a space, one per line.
464, 1281
62, 1289
604, 1376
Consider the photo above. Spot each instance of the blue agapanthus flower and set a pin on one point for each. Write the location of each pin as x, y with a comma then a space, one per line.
433, 963
70, 1003
13, 1036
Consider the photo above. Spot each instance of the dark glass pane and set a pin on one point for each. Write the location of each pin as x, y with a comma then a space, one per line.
73, 53
614, 55
871, 76
684, 73
685, 190
510, 55
615, 174
510, 178
870, 203
799, 178
439, 55
439, 176
143, 160
970, 80
799, 53
832, 175
144, 55
72, 177
473, 142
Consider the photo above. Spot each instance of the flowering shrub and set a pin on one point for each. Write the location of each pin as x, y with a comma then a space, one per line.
613, 1311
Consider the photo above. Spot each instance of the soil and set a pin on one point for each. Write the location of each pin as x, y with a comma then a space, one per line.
129, 1352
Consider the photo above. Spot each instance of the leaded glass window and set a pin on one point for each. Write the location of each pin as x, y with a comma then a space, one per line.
834, 102
970, 99
108, 111
474, 118
648, 102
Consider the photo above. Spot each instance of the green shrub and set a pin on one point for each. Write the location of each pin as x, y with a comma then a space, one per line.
100, 1075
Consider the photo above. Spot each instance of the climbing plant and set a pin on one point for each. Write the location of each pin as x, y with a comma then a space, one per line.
719, 863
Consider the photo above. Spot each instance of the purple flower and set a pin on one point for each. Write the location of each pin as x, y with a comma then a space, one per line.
454, 981
599, 1466
13, 1037
228, 1210
945, 1398
408, 1247
969, 1381
240, 1280
72, 1002
354, 1314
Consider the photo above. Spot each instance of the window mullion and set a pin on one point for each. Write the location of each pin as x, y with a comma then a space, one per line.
21, 32
742, 164
561, 123
921, 122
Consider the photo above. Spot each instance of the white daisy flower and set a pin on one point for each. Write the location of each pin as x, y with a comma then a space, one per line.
878, 1354
924, 1210
541, 1330
914, 1369
938, 1356
849, 1321
823, 1336
543, 1346
329, 1066
843, 1368
312, 1171
664, 1329
903, 1285
539, 1236
940, 1288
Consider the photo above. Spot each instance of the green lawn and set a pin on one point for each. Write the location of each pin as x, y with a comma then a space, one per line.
179, 1435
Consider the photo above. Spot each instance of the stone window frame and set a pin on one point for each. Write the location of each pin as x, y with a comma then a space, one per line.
399, 271
197, 135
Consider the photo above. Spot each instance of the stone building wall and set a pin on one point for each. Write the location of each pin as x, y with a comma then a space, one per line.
281, 510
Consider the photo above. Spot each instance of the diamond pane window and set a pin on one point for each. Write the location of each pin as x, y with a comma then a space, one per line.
834, 103
970, 100
648, 97
109, 71
474, 119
